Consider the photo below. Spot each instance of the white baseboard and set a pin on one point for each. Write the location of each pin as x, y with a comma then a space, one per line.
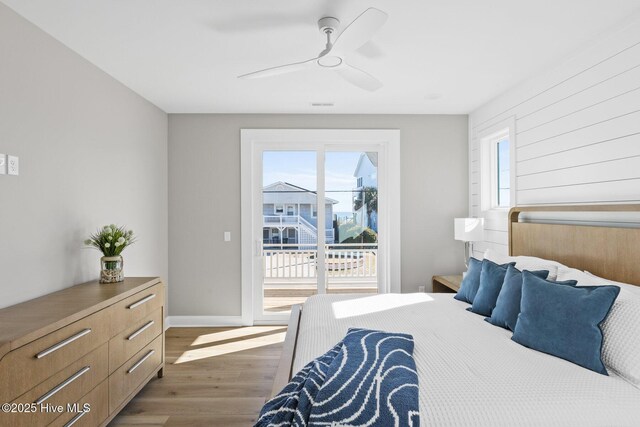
202, 321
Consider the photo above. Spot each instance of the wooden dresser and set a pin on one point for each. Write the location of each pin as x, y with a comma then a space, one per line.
93, 345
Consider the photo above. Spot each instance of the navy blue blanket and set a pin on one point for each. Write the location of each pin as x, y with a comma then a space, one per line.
367, 379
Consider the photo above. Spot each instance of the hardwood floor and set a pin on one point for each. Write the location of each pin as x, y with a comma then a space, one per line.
280, 300
212, 377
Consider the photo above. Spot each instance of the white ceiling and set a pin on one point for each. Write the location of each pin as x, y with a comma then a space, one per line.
184, 55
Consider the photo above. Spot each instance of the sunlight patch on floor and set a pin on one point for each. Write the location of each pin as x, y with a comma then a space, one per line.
376, 303
234, 334
231, 347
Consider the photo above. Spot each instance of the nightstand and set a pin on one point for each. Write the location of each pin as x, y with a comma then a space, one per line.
446, 284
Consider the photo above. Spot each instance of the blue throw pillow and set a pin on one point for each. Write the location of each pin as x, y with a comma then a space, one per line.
507, 305
564, 321
471, 282
491, 279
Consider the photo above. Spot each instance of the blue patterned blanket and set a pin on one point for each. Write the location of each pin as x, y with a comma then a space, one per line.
367, 379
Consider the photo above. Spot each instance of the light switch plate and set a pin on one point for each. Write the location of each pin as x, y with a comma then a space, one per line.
13, 165
227, 236
3, 164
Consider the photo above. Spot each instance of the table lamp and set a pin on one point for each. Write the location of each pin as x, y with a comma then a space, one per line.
468, 230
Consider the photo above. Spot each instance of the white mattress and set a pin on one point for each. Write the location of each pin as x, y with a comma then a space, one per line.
471, 373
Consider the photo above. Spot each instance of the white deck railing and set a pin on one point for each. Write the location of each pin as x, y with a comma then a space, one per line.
293, 262
281, 220
307, 232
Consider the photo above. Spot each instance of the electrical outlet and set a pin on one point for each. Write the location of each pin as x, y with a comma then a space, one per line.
13, 165
421, 288
3, 164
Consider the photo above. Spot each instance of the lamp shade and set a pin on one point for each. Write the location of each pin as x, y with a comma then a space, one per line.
469, 229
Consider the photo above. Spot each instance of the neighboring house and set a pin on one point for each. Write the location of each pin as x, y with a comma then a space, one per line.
366, 175
290, 215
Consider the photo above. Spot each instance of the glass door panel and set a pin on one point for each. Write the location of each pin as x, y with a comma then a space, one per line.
351, 221
290, 231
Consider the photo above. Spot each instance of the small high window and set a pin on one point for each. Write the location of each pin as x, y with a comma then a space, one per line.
503, 177
496, 171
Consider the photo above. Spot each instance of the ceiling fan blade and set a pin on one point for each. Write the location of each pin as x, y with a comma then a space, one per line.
281, 69
370, 50
361, 30
359, 78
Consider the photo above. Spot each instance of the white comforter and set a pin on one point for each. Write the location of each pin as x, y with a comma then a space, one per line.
471, 373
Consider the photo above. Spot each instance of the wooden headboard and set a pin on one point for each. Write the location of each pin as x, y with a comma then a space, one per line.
611, 252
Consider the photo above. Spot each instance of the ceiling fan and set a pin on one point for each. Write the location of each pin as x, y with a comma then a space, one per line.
333, 56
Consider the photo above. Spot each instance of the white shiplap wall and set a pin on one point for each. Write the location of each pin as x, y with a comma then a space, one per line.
577, 133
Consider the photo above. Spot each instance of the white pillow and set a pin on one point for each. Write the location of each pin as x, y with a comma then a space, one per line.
629, 287
567, 273
525, 262
621, 331
621, 328
585, 278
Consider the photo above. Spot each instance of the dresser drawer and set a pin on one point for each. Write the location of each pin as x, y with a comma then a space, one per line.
68, 385
25, 367
135, 308
90, 410
134, 372
124, 345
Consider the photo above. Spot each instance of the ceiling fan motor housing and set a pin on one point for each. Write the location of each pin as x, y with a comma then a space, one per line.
328, 24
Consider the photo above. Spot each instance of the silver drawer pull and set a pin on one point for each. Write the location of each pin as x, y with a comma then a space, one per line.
142, 301
62, 385
141, 330
75, 419
61, 344
141, 361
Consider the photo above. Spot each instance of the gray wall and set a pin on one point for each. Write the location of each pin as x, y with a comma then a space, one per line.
204, 200
91, 152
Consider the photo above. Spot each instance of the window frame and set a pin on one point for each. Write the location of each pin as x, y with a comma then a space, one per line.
495, 173
275, 208
488, 153
255, 141
314, 215
293, 209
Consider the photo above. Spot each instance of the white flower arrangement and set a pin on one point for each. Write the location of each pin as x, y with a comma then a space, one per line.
103, 238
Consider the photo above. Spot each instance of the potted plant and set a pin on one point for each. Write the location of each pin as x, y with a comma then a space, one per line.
111, 241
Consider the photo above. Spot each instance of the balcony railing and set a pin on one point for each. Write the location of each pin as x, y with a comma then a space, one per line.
307, 232
294, 262
281, 220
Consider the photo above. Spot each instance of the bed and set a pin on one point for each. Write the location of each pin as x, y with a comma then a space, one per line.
472, 373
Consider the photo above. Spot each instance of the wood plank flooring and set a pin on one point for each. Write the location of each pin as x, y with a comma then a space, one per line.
280, 300
212, 377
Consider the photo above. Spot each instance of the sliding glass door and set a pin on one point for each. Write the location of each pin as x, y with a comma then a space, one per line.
289, 231
320, 214
351, 191
318, 219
